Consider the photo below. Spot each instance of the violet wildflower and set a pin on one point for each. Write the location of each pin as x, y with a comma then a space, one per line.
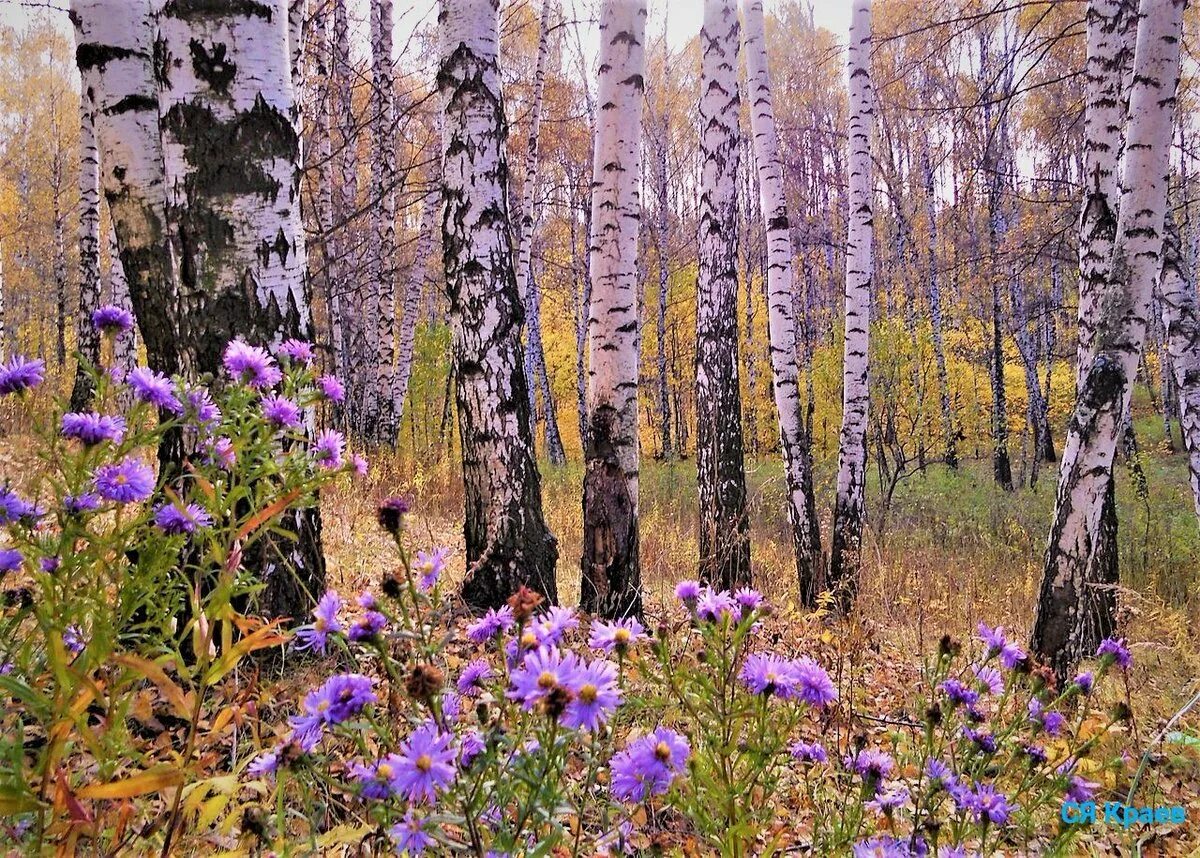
426, 764
91, 428
13, 507
596, 695
552, 625
1036, 753
358, 464
958, 692
49, 565
19, 374
1085, 681
325, 622
331, 388
991, 805
73, 639
341, 698
1052, 722
716, 605
266, 763
809, 752
1081, 790
938, 772
688, 592
127, 481
366, 601
470, 681
378, 780
491, 624
451, 706
649, 765
617, 636
367, 626
983, 741
198, 403
1114, 651
10, 560
430, 565
172, 519
887, 800
221, 453
111, 319
153, 388
543, 670
250, 365
748, 599
297, 351
813, 683
471, 746
769, 674
328, 449
881, 846
1011, 655
872, 765
409, 835
281, 412
989, 679
78, 504
993, 637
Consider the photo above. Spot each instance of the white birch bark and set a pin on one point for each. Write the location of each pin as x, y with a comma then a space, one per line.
1073, 613
662, 238
724, 532
125, 357
59, 244
781, 325
611, 583
87, 339
381, 415
507, 541
412, 301
937, 324
115, 43
849, 508
321, 46
1181, 322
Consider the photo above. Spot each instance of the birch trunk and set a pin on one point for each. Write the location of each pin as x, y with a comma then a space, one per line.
581, 301
806, 530
59, 225
412, 301
662, 243
1181, 322
1074, 609
850, 505
724, 531
322, 51
949, 433
126, 352
87, 338
381, 412
611, 575
507, 541
536, 370
231, 157
115, 43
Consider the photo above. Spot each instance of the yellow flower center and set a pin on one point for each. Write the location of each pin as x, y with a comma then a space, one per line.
384, 771
622, 636
588, 693
547, 680
424, 763
528, 639
121, 479
323, 705
319, 624
663, 751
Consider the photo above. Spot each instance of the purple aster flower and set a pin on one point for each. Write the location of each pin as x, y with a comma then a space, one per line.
1036, 753
1081, 790
172, 519
49, 565
366, 626
92, 428
13, 507
749, 600
221, 453
717, 605
325, 622
959, 851
426, 764
1011, 655
281, 412
809, 752
813, 683
471, 746
491, 624
470, 681
883, 846
958, 692
341, 698
127, 481
1052, 722
616, 636
938, 772
429, 565
358, 464
20, 374
409, 835
993, 637
366, 601
77, 504
74, 640
251, 365
378, 780
769, 674
688, 592
649, 765
328, 449
331, 388
991, 805
962, 795
989, 679
10, 560
872, 765
596, 695
553, 624
1116, 651
111, 319
887, 800
154, 388
198, 403
451, 706
297, 351
986, 742
1085, 681
266, 763
542, 671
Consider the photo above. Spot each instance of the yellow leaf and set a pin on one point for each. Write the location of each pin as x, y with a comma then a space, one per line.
152, 780
174, 695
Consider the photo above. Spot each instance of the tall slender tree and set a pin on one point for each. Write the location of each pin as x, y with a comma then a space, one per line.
414, 286
850, 504
381, 406
507, 541
1074, 612
724, 530
611, 582
126, 356
793, 440
1181, 323
87, 338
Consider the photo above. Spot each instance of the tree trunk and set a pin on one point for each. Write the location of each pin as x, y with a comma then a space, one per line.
850, 505
949, 433
781, 326
231, 159
1181, 322
381, 412
412, 300
507, 541
536, 370
581, 301
611, 575
724, 530
126, 356
1076, 606
662, 243
87, 338
59, 224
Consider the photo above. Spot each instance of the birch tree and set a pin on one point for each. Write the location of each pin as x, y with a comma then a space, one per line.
611, 582
507, 541
1181, 322
87, 338
781, 327
231, 160
126, 348
1074, 612
724, 531
412, 301
850, 504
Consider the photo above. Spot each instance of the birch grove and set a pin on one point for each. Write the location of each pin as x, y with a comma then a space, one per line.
1074, 611
507, 541
87, 339
611, 583
850, 504
1181, 325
